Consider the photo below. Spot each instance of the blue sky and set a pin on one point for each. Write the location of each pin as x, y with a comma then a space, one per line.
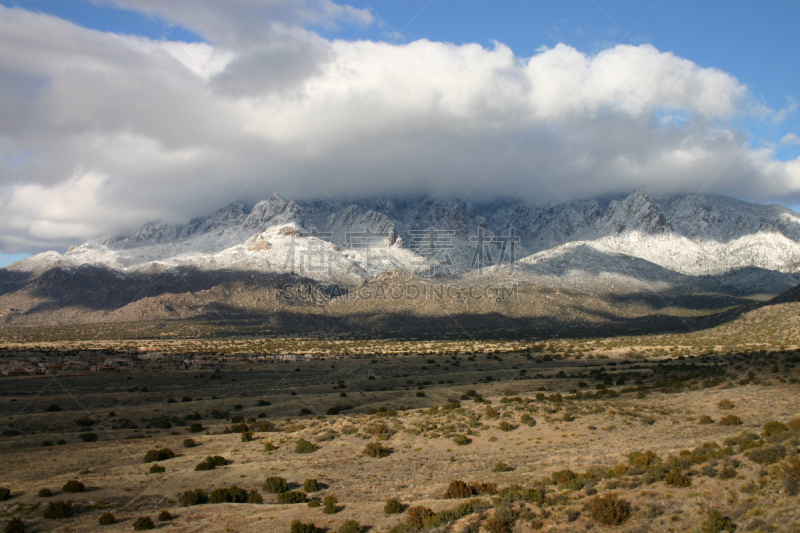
755, 43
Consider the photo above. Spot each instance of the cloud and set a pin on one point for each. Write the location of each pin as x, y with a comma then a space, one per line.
147, 130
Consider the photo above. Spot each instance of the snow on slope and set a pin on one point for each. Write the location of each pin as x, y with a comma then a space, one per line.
637, 237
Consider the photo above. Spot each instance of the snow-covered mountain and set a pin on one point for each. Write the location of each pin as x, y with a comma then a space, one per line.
697, 241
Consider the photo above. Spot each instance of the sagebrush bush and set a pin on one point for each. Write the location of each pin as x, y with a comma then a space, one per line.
59, 509
158, 455
5, 493
231, 494
106, 519
300, 527
350, 526
643, 459
254, 497
496, 524
310, 485
730, 420
189, 443
330, 505
164, 516
276, 485
72, 486
416, 516
15, 525
502, 467
458, 489
303, 446
676, 479
392, 506
767, 455
376, 449
88, 437
143, 523
774, 427
705, 419
45, 493
462, 440
608, 510
193, 497
313, 502
725, 404
157, 469
210, 463
292, 496
716, 522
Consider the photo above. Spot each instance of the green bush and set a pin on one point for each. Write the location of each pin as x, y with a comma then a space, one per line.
15, 525
376, 449
158, 455
676, 479
143, 523
730, 420
608, 510
193, 497
505, 426
350, 526
276, 485
292, 496
643, 459
59, 509
313, 502
45, 493
310, 485
73, 486
392, 506
330, 505
497, 524
106, 519
416, 516
771, 428
716, 522
300, 527
725, 404
157, 469
228, 495
462, 440
563, 476
303, 446
768, 455
502, 467
5, 494
189, 443
457, 489
269, 447
88, 437
254, 497
210, 463
164, 516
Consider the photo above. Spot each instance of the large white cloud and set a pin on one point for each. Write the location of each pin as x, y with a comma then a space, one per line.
148, 130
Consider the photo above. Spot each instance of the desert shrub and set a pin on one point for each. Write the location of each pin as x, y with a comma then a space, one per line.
269, 447
157, 469
643, 459
416, 516
730, 420
794, 424
300, 527
462, 440
392, 506
350, 526
768, 455
771, 428
705, 419
458, 489
716, 522
528, 420
15, 525
88, 437
196, 427
143, 523
313, 502
676, 479
497, 524
5, 494
106, 519
189, 443
376, 449
210, 463
502, 467
247, 436
164, 516
276, 485
608, 510
725, 404
310, 485
59, 509
303, 446
563, 476
45, 493
72, 486
379, 431
158, 455
255, 497
448, 515
791, 476
333, 411
330, 504
505, 426
228, 495
193, 497
292, 496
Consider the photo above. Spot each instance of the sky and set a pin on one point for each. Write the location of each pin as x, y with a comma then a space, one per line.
114, 113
